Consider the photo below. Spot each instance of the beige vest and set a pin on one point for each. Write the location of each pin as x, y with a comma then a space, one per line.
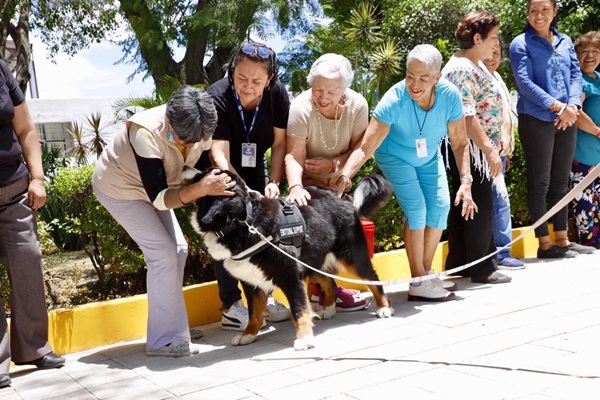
116, 173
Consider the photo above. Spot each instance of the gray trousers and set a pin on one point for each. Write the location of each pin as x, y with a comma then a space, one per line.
165, 250
21, 256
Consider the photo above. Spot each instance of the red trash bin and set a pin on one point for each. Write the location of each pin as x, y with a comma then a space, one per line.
369, 230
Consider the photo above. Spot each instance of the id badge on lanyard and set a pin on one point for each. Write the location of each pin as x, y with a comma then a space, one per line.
248, 149
421, 147
249, 155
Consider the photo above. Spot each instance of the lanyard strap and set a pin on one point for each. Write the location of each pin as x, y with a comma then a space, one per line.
241, 111
426, 112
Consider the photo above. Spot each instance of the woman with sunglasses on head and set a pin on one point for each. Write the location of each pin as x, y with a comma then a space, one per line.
138, 180
548, 80
252, 107
325, 123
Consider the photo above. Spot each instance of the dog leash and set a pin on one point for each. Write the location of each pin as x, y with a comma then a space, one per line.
562, 203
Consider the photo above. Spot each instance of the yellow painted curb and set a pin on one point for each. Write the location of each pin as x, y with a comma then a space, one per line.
102, 323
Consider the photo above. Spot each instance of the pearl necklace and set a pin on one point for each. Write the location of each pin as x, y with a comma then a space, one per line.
336, 124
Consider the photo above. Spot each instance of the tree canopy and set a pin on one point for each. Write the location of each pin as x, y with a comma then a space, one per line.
374, 34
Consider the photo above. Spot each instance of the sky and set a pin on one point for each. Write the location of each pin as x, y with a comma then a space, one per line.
90, 73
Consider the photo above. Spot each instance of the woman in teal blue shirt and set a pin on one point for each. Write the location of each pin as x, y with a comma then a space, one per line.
404, 133
586, 205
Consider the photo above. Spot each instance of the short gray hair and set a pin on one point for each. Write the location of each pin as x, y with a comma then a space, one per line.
426, 54
332, 66
192, 114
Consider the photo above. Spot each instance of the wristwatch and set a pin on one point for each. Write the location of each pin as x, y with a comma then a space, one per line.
467, 177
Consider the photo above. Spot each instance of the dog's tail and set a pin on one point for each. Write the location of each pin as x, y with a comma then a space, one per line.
371, 193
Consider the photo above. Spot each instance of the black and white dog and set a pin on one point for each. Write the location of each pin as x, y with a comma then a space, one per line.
244, 231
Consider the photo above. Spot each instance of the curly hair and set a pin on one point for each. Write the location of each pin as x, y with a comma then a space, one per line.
590, 39
481, 22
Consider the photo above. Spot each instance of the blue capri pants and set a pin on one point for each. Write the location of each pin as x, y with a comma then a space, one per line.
422, 191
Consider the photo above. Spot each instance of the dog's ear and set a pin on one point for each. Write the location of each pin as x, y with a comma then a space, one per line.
190, 175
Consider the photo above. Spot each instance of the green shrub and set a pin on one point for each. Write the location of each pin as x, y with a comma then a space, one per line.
114, 256
62, 232
117, 260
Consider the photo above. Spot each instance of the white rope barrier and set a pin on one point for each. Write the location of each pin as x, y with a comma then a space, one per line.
562, 203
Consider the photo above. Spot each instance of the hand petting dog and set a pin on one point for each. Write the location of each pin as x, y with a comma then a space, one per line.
214, 183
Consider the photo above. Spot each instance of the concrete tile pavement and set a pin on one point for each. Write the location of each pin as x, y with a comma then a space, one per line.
533, 339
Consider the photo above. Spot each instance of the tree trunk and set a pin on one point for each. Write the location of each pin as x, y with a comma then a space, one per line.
214, 67
153, 47
20, 36
21, 39
7, 12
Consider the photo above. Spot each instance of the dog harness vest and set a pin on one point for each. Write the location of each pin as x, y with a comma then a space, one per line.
289, 232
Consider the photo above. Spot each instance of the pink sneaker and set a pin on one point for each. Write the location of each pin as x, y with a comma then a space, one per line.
314, 292
345, 301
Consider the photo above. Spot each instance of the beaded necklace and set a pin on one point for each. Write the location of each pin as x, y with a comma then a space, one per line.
336, 124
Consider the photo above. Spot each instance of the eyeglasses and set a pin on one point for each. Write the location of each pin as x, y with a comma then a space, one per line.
261, 51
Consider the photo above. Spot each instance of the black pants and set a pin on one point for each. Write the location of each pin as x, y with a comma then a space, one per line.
229, 291
472, 239
548, 156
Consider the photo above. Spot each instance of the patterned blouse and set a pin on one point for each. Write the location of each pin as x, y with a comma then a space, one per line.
482, 95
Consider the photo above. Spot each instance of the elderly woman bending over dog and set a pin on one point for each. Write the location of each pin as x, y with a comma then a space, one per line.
325, 123
138, 180
404, 133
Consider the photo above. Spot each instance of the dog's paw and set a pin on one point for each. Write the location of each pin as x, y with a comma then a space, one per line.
305, 343
385, 312
326, 313
240, 340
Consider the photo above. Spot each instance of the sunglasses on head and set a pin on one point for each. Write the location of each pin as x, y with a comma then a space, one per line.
261, 51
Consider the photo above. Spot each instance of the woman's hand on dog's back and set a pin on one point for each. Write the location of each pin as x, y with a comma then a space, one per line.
214, 183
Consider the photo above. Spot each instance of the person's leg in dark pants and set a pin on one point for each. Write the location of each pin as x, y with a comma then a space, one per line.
562, 158
229, 291
473, 239
548, 156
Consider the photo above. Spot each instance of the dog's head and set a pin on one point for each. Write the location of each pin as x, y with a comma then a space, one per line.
214, 213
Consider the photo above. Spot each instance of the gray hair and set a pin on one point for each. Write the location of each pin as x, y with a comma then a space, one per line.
426, 54
332, 66
192, 114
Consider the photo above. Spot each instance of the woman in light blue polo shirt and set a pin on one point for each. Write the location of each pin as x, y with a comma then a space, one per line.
586, 205
404, 134
548, 80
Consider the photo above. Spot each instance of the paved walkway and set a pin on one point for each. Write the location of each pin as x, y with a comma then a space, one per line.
536, 338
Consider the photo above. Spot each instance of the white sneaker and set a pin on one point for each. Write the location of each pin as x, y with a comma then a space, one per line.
276, 311
175, 349
448, 285
236, 318
429, 291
